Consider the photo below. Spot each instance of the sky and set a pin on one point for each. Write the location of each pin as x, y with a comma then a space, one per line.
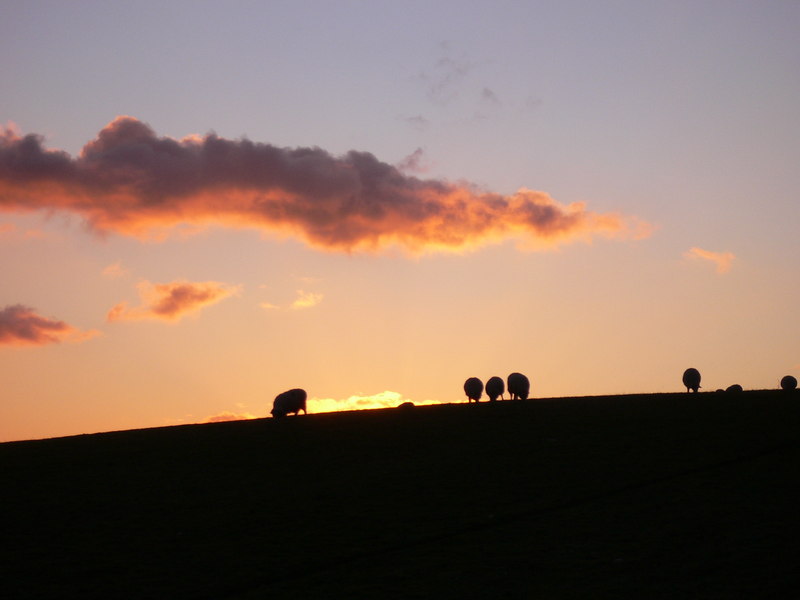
203, 204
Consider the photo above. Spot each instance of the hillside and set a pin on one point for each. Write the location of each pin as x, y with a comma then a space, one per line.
657, 496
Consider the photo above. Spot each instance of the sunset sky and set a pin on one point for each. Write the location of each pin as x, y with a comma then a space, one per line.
203, 204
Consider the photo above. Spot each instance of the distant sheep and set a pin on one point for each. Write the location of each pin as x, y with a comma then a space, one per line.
691, 379
788, 383
734, 389
495, 387
289, 402
518, 386
473, 388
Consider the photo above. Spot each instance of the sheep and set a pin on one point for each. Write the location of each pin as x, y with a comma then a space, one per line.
518, 386
473, 388
289, 402
788, 383
734, 389
691, 379
495, 387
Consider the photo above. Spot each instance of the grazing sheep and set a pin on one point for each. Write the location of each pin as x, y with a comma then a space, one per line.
495, 387
406, 406
290, 402
734, 389
691, 379
788, 383
473, 388
518, 386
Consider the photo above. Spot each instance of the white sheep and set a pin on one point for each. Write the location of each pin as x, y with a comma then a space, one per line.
518, 386
473, 388
495, 388
691, 379
289, 402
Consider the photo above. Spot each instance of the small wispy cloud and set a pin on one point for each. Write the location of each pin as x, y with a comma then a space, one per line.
171, 301
302, 301
306, 300
22, 326
224, 417
414, 162
417, 122
722, 260
115, 271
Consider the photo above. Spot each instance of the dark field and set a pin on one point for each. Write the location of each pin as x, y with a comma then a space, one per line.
659, 496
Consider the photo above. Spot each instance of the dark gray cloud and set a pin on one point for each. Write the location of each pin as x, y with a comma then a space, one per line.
130, 181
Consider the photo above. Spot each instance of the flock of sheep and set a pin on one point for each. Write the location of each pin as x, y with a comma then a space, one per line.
518, 386
691, 379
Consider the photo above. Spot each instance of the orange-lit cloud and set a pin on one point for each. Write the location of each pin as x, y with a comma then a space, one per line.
306, 300
115, 271
722, 260
228, 416
21, 326
386, 399
129, 181
171, 301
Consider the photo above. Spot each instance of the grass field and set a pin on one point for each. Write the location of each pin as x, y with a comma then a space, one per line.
651, 496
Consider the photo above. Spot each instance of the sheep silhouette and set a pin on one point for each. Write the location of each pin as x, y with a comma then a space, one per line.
734, 389
289, 402
788, 383
473, 388
518, 386
691, 379
495, 387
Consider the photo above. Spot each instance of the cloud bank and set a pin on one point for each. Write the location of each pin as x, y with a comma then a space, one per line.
171, 301
21, 326
130, 181
722, 260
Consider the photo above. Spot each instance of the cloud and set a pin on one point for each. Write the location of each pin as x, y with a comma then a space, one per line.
131, 182
417, 122
306, 300
171, 301
228, 416
386, 399
115, 271
722, 260
489, 98
413, 163
21, 326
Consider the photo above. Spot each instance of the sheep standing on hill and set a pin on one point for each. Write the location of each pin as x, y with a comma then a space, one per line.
289, 402
473, 388
518, 386
691, 379
788, 383
495, 387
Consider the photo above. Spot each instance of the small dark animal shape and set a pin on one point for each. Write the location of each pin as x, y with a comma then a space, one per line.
473, 388
734, 389
495, 387
406, 406
691, 379
290, 402
518, 386
788, 383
